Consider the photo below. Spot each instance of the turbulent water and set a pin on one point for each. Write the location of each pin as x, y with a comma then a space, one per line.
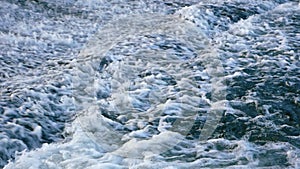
149, 84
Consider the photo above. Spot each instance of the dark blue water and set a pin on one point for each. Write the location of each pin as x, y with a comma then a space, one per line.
149, 84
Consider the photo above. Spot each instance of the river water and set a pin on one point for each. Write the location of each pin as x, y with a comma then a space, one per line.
149, 84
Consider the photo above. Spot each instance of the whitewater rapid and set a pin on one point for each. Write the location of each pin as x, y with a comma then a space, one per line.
208, 84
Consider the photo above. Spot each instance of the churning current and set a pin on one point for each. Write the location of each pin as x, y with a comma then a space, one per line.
149, 84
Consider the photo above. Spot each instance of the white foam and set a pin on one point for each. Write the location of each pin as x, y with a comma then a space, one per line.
132, 127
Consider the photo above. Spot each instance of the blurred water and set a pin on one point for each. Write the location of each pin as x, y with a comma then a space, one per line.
149, 84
